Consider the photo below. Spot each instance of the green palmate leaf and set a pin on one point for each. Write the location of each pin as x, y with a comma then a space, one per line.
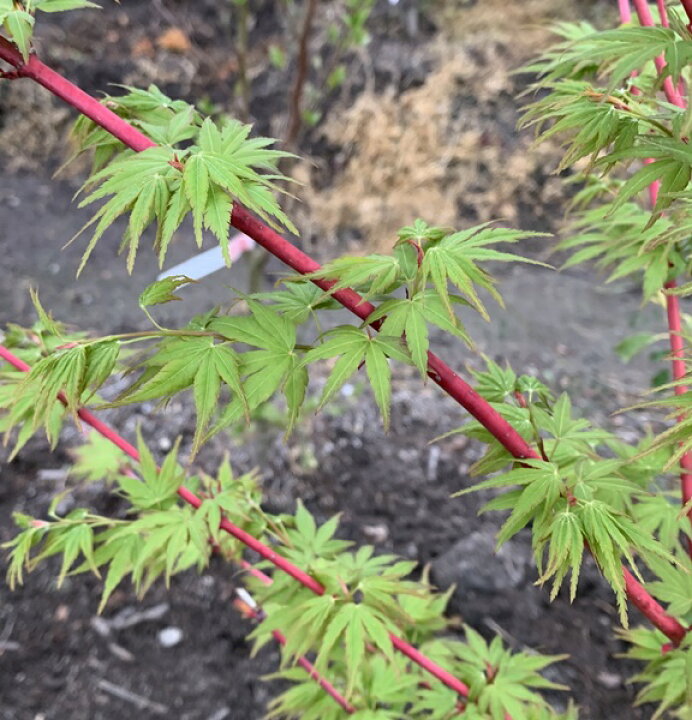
162, 291
328, 624
410, 317
131, 181
667, 676
660, 516
565, 552
353, 348
500, 682
275, 365
496, 384
421, 233
196, 362
101, 360
66, 376
674, 586
355, 625
20, 27
611, 537
156, 488
98, 459
299, 301
60, 5
454, 259
161, 185
373, 274
624, 244
79, 539
21, 546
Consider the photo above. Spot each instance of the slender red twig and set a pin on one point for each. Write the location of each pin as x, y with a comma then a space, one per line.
687, 5
263, 550
677, 345
646, 18
241, 219
663, 13
625, 11
312, 671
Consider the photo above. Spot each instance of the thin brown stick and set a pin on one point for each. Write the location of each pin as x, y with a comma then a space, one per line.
295, 122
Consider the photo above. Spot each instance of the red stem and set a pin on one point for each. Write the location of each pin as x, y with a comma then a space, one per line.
625, 11
241, 219
302, 661
263, 550
438, 370
646, 19
677, 345
663, 13
687, 5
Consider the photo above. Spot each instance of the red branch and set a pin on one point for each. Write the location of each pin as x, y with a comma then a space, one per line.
687, 5
677, 345
263, 550
241, 219
625, 11
646, 19
312, 671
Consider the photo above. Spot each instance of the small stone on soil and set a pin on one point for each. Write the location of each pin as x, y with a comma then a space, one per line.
170, 637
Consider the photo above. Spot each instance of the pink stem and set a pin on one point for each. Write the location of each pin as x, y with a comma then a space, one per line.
263, 550
256, 572
302, 661
687, 5
402, 646
319, 679
646, 19
677, 345
241, 219
625, 11
663, 13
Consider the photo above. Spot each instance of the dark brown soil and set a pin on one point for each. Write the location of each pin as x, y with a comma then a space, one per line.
393, 489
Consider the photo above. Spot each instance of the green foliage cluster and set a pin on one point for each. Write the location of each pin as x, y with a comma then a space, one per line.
17, 18
198, 168
251, 357
367, 597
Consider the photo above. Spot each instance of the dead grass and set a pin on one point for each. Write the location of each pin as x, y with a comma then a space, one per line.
446, 151
523, 23
34, 124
